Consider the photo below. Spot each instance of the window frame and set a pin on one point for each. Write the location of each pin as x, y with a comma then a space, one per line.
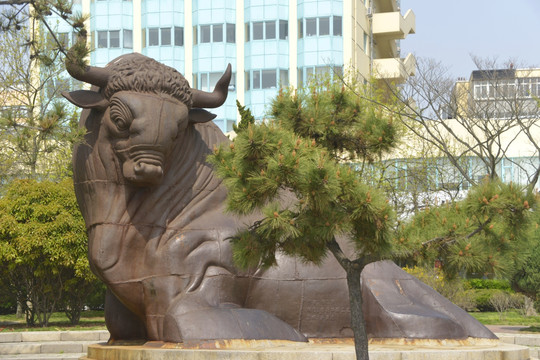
153, 36
178, 35
167, 32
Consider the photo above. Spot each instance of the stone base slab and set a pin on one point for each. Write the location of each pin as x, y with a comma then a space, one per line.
314, 350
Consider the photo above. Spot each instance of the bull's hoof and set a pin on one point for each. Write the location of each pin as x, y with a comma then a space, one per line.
227, 323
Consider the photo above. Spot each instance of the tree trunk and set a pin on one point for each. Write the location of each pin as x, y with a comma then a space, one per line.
19, 314
358, 322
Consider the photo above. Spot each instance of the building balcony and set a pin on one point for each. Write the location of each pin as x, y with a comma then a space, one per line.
393, 25
394, 69
385, 5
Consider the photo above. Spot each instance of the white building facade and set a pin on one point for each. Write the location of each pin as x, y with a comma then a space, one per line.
270, 43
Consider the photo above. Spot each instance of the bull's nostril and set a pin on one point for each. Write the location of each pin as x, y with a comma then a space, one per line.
148, 170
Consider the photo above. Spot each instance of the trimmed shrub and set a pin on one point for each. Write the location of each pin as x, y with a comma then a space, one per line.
489, 284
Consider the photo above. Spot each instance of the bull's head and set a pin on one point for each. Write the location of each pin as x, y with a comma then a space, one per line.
143, 126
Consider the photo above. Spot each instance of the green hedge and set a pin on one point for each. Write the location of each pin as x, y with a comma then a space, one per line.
489, 284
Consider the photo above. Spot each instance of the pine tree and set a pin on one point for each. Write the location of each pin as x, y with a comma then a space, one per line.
486, 233
246, 118
302, 151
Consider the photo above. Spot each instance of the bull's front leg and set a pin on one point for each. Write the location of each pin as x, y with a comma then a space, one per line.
192, 317
121, 322
211, 303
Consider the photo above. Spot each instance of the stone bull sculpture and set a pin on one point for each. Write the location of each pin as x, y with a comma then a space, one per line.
158, 232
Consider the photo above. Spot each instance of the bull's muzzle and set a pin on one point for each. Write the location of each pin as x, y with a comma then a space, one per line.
144, 166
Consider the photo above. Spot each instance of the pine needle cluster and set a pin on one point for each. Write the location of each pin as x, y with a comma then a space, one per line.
288, 170
485, 234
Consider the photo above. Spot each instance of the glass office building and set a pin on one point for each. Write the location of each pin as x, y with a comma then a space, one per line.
270, 43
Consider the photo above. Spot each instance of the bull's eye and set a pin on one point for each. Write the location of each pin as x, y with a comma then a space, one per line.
121, 115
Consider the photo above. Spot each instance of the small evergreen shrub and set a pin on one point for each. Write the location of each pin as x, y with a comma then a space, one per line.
489, 284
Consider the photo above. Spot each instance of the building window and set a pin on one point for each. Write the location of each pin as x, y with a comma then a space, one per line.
213, 78
63, 38
283, 78
231, 33
102, 39
195, 35
214, 33
270, 28
283, 29
337, 26
205, 34
305, 74
165, 36
153, 37
311, 27
128, 39
178, 36
319, 26
266, 30
324, 26
258, 30
266, 79
209, 80
111, 39
159, 36
529, 87
217, 33
256, 79
114, 39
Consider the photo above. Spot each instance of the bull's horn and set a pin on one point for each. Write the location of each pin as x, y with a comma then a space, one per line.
91, 74
203, 99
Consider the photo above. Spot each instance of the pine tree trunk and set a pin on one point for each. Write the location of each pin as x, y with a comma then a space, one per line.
358, 323
353, 270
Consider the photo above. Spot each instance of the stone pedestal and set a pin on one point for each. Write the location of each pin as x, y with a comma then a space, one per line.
323, 349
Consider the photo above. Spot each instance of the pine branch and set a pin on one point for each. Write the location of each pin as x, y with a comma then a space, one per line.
453, 240
338, 253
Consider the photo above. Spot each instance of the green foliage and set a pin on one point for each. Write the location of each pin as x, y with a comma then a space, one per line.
291, 173
489, 284
17, 14
245, 116
486, 233
288, 170
513, 317
482, 299
37, 127
90, 320
527, 277
42, 246
8, 302
452, 289
337, 118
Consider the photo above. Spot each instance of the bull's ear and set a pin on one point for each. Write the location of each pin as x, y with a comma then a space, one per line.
87, 99
200, 116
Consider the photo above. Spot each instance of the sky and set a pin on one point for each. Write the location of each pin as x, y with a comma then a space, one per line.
452, 31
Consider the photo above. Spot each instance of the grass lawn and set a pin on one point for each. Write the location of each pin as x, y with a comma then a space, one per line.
511, 317
94, 320
90, 320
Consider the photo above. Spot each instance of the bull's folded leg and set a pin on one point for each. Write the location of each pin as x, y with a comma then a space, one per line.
226, 322
121, 322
